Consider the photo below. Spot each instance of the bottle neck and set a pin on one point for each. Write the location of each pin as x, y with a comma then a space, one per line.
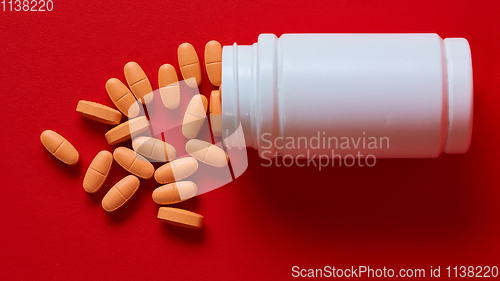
249, 92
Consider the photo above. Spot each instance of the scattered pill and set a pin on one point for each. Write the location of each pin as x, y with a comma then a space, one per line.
213, 62
207, 153
176, 170
170, 92
98, 112
216, 113
122, 98
133, 163
98, 171
194, 117
189, 64
120, 193
126, 130
179, 217
154, 149
174, 192
138, 82
60, 147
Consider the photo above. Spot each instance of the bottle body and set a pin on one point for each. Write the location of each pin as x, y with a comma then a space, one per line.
389, 95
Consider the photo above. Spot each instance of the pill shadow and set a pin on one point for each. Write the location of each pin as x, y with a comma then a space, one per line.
95, 199
94, 128
73, 172
191, 236
397, 199
192, 204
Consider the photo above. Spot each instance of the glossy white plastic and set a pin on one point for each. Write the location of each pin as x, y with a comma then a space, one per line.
414, 89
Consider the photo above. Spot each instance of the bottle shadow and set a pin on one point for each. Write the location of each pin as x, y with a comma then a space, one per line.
190, 236
395, 199
73, 172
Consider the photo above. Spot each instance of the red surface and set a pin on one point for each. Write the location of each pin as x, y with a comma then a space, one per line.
398, 214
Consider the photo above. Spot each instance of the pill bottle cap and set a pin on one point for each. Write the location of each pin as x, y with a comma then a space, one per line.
460, 95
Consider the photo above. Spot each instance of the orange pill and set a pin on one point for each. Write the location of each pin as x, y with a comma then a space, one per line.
99, 112
126, 130
60, 147
213, 62
154, 149
207, 153
176, 170
179, 217
216, 113
170, 91
122, 98
174, 192
194, 117
138, 82
189, 64
98, 171
133, 163
120, 193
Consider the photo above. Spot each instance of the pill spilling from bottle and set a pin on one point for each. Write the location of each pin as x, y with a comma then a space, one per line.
296, 96
129, 99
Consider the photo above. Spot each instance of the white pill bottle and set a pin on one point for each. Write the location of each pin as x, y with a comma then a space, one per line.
388, 95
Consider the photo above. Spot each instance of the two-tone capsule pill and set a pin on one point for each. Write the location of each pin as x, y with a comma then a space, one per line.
58, 146
174, 192
170, 91
176, 170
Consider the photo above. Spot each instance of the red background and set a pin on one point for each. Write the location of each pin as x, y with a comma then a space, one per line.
398, 214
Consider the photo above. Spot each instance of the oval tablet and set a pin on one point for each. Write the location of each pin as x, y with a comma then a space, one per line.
207, 153
170, 91
98, 171
126, 130
194, 117
120, 193
133, 163
179, 217
99, 112
138, 82
60, 147
154, 149
176, 170
213, 62
122, 98
216, 113
189, 64
174, 192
